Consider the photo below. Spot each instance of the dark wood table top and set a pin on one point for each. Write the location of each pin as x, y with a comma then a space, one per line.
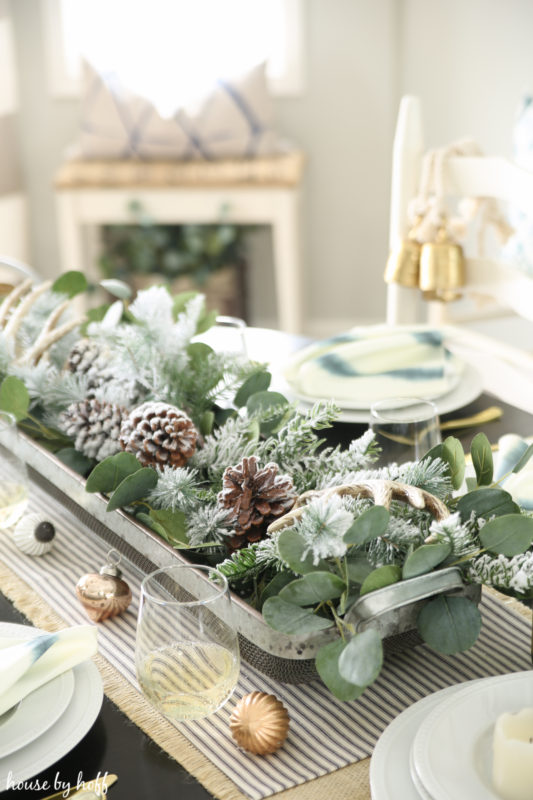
116, 745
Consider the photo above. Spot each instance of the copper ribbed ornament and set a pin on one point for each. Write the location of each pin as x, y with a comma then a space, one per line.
259, 723
104, 594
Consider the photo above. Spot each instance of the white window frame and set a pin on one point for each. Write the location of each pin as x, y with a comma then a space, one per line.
62, 84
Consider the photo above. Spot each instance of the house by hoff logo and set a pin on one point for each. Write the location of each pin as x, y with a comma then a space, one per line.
97, 785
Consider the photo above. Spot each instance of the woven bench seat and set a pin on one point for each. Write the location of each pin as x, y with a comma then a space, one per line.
274, 171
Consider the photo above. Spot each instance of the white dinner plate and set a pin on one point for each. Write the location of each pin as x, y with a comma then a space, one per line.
64, 734
452, 750
39, 710
390, 776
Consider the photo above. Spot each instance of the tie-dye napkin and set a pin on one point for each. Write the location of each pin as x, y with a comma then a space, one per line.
25, 665
372, 363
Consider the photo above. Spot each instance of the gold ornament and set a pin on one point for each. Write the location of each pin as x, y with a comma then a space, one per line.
259, 723
104, 594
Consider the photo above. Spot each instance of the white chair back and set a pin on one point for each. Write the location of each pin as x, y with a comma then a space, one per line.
475, 177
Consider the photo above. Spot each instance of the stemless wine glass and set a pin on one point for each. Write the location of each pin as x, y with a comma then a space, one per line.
227, 335
187, 651
14, 480
405, 428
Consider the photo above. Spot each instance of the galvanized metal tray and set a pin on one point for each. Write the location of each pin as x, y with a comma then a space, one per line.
392, 610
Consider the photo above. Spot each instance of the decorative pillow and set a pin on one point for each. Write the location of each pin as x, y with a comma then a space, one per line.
235, 120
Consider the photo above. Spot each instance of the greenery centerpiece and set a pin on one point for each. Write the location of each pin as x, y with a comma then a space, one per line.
195, 445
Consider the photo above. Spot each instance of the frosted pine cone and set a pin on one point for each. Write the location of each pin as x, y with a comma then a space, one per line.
92, 360
94, 427
159, 435
255, 497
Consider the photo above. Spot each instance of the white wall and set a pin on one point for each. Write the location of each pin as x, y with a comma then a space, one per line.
468, 60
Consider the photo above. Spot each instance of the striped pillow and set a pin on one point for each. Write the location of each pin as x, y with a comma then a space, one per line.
235, 120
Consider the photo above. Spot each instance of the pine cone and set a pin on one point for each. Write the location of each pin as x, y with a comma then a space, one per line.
255, 497
94, 426
159, 435
92, 359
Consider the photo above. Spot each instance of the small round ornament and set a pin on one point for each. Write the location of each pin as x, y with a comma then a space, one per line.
34, 534
104, 594
259, 723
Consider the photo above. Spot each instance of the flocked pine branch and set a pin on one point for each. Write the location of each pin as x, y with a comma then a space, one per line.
176, 489
322, 527
461, 536
208, 523
241, 565
513, 574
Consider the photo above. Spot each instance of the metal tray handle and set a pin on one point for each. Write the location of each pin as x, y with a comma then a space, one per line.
380, 602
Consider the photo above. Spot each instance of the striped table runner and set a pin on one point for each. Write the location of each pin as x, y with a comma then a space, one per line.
325, 734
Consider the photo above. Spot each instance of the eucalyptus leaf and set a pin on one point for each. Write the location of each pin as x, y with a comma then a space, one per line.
471, 484
482, 460
253, 430
453, 454
424, 559
110, 472
258, 382
180, 302
313, 588
291, 547
96, 314
206, 321
14, 397
288, 618
174, 523
507, 535
361, 660
522, 461
486, 502
70, 283
265, 399
327, 665
117, 288
277, 583
198, 352
75, 460
369, 525
449, 624
358, 568
380, 577
133, 487
207, 422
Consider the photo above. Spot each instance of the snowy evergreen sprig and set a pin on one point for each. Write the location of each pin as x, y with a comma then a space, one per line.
322, 527
176, 488
208, 523
226, 446
462, 537
513, 574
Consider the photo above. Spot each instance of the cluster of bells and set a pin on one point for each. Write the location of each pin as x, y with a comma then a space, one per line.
437, 268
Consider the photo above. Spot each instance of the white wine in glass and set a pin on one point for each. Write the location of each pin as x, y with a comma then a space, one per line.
187, 652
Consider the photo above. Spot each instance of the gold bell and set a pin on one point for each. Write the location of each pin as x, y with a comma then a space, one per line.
442, 268
403, 264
